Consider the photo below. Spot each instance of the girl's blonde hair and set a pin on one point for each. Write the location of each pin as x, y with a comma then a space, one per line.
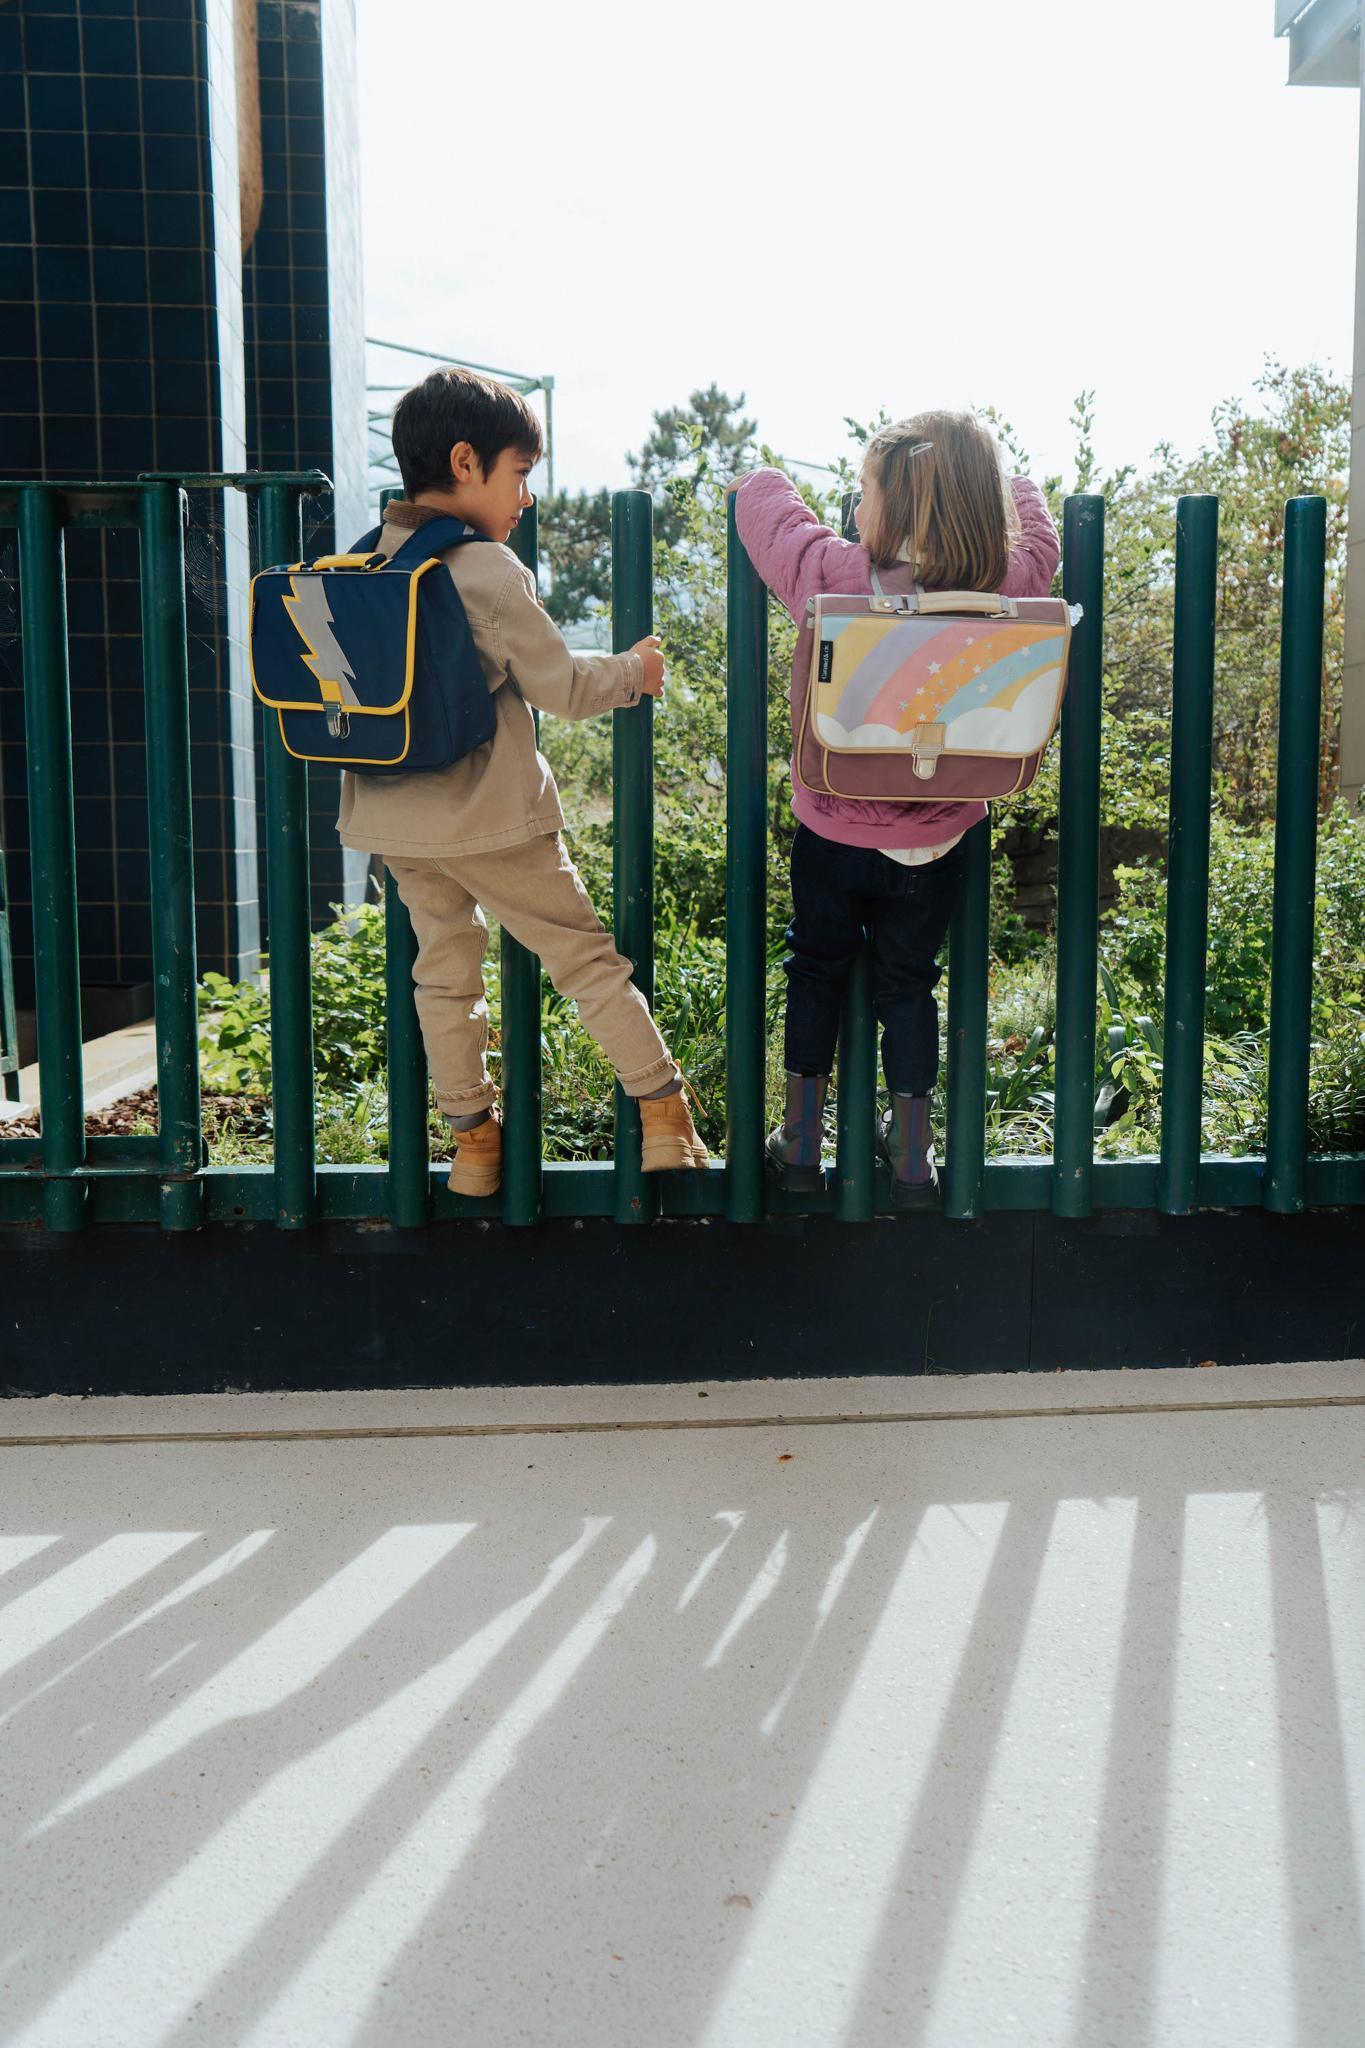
943, 501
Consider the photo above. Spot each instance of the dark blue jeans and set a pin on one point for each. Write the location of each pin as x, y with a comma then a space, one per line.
839, 895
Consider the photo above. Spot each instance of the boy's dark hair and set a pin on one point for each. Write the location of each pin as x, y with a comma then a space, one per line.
459, 405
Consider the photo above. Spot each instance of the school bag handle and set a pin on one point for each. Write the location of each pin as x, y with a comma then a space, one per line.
978, 602
984, 604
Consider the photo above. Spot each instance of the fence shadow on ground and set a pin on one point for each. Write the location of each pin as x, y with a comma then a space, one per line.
721, 1739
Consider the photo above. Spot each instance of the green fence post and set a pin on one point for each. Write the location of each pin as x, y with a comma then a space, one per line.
521, 1076
968, 978
9, 1023
632, 762
52, 844
1296, 829
1078, 862
290, 925
1187, 860
856, 1101
746, 878
409, 1146
165, 674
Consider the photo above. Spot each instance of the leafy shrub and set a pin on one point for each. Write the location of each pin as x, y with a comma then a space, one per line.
1241, 904
350, 1030
579, 1086
350, 1033
234, 1037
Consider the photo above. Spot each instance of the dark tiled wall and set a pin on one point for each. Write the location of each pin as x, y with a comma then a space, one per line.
121, 332
305, 335
345, 271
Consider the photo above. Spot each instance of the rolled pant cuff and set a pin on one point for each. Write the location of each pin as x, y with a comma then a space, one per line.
649, 1078
468, 1102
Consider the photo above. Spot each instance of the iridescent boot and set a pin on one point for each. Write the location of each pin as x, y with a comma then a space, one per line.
793, 1149
905, 1141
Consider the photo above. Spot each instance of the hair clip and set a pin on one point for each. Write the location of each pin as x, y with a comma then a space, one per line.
919, 448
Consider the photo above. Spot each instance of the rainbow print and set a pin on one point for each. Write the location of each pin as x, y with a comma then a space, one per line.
995, 684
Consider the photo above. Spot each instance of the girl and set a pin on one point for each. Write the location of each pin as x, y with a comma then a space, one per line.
937, 508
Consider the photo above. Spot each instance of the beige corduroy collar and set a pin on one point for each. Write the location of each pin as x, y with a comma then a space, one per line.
401, 513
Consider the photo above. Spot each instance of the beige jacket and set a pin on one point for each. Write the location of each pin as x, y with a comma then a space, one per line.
503, 793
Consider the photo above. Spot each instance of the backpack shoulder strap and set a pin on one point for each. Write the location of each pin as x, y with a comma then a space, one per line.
433, 537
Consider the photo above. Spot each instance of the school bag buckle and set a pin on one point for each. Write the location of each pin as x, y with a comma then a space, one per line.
926, 744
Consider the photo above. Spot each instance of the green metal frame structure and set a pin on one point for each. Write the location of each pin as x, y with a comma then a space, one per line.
382, 398
64, 1181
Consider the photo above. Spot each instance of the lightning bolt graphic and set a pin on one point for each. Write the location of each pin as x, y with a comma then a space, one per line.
311, 617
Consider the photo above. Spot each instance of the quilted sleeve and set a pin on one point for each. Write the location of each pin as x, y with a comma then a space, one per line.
794, 553
1034, 559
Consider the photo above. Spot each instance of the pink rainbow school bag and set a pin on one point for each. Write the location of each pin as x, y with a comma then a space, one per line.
931, 697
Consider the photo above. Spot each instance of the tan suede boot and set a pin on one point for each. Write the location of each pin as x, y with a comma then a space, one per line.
668, 1136
477, 1166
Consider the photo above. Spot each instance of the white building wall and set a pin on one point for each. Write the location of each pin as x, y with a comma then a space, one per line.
1325, 48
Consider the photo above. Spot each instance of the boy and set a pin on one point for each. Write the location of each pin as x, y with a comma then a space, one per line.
484, 833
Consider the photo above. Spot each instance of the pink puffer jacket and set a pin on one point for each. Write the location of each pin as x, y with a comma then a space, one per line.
798, 558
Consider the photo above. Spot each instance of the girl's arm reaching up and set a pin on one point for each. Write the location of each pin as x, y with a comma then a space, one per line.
1033, 561
793, 553
796, 555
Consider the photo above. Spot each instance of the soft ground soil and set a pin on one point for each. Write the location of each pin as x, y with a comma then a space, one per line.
247, 1115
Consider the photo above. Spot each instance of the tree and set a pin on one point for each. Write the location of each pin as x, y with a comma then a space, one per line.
706, 437
708, 428
1296, 443
575, 546
1297, 440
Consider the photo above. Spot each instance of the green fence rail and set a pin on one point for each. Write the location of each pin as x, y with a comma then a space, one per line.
64, 1179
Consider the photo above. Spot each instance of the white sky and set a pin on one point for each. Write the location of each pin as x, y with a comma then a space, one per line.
835, 207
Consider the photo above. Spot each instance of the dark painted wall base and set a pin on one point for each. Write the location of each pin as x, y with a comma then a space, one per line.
126, 1309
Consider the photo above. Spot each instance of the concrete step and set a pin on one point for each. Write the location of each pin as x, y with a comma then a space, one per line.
115, 1065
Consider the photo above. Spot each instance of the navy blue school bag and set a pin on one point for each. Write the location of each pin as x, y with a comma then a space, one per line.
369, 663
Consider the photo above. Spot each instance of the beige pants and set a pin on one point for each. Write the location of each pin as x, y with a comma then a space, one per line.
534, 892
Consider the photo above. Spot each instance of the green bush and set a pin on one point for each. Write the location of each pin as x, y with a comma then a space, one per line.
350, 1033
1241, 904
1241, 877
1131, 1002
579, 1087
234, 1035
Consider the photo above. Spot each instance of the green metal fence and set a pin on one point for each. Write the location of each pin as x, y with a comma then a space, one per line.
9, 1027
64, 1180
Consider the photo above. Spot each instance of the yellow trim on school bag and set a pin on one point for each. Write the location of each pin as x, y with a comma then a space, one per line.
355, 710
360, 760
